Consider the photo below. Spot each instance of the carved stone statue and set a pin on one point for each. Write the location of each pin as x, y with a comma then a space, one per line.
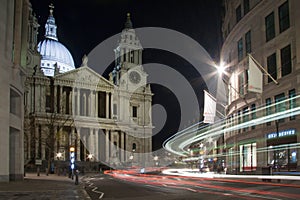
84, 60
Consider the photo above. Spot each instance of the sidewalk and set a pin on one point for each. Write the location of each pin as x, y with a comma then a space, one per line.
43, 187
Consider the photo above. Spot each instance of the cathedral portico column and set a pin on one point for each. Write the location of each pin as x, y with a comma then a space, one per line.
37, 141
83, 139
107, 145
71, 100
78, 101
43, 99
97, 157
107, 105
42, 129
122, 146
37, 98
91, 142
55, 99
110, 105
89, 104
78, 144
96, 102
61, 108
92, 103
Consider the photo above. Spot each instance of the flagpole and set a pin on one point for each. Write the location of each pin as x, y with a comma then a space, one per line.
261, 67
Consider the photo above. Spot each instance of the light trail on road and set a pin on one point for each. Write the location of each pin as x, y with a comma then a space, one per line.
240, 189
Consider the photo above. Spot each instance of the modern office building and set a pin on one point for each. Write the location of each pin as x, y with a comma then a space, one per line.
268, 30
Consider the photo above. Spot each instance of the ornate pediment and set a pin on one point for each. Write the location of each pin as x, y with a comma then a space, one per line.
84, 76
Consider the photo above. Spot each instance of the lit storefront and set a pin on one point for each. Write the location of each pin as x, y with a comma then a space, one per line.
282, 149
247, 155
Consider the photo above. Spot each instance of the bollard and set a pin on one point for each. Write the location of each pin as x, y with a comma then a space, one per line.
38, 171
76, 177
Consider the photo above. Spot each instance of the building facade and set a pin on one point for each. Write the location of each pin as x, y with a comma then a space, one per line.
17, 20
270, 32
106, 121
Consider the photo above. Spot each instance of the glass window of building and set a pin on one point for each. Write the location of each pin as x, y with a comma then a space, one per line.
48, 103
238, 13
272, 67
245, 117
248, 157
292, 102
132, 56
280, 104
270, 27
15, 103
253, 113
284, 18
248, 42
241, 84
293, 155
124, 55
240, 49
246, 6
134, 111
115, 111
286, 63
239, 119
268, 109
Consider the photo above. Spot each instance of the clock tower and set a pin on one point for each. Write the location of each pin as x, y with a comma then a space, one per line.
128, 58
132, 99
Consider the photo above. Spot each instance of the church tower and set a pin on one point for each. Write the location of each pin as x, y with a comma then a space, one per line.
133, 97
128, 55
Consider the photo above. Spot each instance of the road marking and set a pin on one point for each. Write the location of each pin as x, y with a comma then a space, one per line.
95, 188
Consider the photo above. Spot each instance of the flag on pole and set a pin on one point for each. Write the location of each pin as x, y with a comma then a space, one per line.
210, 104
255, 83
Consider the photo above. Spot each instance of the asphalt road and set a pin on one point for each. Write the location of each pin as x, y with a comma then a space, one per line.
148, 187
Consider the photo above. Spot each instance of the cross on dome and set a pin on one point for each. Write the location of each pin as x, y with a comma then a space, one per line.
50, 25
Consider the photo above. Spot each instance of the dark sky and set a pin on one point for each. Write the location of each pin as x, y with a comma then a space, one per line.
84, 24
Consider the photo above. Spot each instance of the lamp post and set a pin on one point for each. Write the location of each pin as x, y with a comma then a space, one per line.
155, 160
131, 159
58, 156
72, 161
90, 157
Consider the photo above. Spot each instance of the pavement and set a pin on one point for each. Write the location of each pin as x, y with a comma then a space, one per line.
43, 187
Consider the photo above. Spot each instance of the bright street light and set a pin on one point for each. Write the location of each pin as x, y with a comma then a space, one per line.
221, 69
58, 155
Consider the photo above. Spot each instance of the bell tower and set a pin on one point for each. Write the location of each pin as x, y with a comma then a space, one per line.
132, 98
128, 54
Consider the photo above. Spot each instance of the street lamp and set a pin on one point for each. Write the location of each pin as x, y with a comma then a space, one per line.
221, 68
131, 159
58, 155
90, 156
155, 160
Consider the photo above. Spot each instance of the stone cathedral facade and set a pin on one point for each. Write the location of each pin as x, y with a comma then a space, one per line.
106, 121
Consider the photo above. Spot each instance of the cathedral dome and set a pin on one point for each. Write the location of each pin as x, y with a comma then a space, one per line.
54, 54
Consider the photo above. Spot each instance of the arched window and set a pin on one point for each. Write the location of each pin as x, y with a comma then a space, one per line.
133, 146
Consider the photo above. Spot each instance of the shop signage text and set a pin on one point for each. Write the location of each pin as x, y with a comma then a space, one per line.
283, 133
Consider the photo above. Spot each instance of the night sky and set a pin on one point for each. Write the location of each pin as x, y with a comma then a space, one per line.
84, 24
